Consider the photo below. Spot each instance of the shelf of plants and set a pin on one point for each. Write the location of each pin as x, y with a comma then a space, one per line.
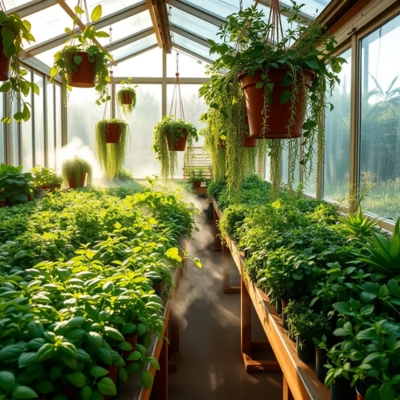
338, 275
79, 310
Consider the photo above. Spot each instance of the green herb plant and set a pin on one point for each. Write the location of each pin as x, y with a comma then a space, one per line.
44, 177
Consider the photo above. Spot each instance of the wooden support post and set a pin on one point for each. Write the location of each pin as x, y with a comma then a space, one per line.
174, 341
287, 394
160, 386
246, 345
226, 288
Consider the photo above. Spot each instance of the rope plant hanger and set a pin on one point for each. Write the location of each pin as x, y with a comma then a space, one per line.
172, 133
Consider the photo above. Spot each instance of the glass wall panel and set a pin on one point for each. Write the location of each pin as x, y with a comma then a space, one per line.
51, 148
27, 145
337, 137
148, 64
2, 133
188, 66
380, 119
310, 182
268, 168
83, 114
141, 159
134, 47
15, 143
38, 113
58, 123
285, 164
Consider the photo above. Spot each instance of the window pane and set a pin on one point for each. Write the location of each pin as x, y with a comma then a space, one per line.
57, 116
310, 184
285, 165
380, 119
83, 114
141, 159
39, 121
27, 145
337, 137
148, 64
188, 66
15, 128
50, 126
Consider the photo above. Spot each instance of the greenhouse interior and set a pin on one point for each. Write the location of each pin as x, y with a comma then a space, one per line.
145, 145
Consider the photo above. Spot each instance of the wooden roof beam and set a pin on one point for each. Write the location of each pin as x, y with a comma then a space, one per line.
159, 17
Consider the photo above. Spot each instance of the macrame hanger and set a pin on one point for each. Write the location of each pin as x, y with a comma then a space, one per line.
275, 33
176, 103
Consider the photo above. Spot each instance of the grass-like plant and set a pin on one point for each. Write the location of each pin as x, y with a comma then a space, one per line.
111, 156
174, 129
73, 169
127, 92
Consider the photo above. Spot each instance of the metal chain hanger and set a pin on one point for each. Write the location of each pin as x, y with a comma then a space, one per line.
176, 103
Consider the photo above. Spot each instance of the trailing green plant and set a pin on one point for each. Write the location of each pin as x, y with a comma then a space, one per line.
74, 168
14, 31
43, 176
197, 174
174, 129
15, 186
123, 93
245, 48
111, 156
67, 60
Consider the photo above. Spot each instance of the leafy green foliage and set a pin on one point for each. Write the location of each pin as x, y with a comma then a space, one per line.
127, 93
43, 176
67, 60
14, 31
173, 129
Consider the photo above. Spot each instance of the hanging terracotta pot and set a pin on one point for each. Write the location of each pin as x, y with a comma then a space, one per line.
222, 143
113, 134
249, 141
72, 182
180, 144
127, 98
279, 115
84, 76
4, 63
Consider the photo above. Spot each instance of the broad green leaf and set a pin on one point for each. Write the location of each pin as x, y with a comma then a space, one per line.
146, 379
24, 392
107, 386
77, 378
96, 13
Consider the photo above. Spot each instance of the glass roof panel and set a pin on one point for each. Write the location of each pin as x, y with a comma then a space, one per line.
148, 64
193, 24
108, 6
134, 47
188, 65
192, 46
47, 57
10, 4
127, 27
49, 23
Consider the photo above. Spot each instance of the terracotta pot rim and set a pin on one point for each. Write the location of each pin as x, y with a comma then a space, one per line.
281, 68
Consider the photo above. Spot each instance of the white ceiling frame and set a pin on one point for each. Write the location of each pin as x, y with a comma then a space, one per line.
190, 35
129, 39
136, 53
197, 12
109, 19
192, 53
32, 7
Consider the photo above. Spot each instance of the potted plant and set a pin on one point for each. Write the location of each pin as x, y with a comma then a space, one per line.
46, 178
126, 97
281, 77
75, 172
196, 176
111, 140
15, 186
83, 63
13, 31
170, 136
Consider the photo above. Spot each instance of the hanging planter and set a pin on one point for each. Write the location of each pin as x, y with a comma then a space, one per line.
111, 143
249, 141
284, 119
126, 97
4, 62
83, 74
176, 139
85, 64
75, 172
